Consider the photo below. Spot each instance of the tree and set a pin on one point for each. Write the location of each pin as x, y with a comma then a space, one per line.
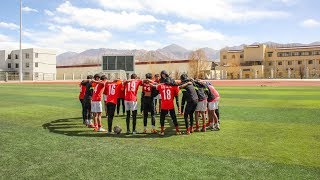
198, 63
301, 72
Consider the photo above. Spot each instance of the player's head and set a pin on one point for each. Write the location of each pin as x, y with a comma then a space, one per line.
164, 74
133, 76
89, 77
103, 77
148, 76
156, 76
183, 77
96, 77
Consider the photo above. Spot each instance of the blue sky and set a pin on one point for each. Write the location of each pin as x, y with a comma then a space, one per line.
77, 25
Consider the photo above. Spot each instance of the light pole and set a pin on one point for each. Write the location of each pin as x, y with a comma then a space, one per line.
20, 66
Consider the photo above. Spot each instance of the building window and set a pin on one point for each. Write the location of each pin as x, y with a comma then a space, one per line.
27, 56
280, 63
36, 55
9, 56
295, 53
316, 52
16, 55
27, 65
241, 55
36, 64
9, 65
17, 65
270, 54
306, 53
299, 62
233, 56
289, 62
224, 57
310, 62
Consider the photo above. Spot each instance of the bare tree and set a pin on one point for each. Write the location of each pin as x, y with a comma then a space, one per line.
198, 63
301, 72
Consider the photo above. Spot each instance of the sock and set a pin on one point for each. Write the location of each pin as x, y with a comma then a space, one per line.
99, 125
197, 124
203, 126
188, 129
145, 128
153, 127
95, 125
162, 128
177, 128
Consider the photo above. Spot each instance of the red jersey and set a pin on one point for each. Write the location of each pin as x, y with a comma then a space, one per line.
97, 92
122, 92
82, 91
112, 91
146, 87
131, 89
167, 94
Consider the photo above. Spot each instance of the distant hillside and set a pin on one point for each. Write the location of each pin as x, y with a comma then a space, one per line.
93, 56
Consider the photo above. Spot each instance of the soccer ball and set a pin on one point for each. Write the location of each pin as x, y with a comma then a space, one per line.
117, 129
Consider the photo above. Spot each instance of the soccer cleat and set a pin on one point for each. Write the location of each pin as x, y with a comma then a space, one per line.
145, 131
128, 132
101, 130
134, 132
188, 133
154, 131
203, 130
95, 129
178, 133
161, 134
197, 130
191, 130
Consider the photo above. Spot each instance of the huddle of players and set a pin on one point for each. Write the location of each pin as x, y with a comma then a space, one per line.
201, 97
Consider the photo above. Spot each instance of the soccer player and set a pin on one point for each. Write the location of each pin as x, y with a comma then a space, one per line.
213, 103
164, 76
96, 106
158, 97
168, 92
81, 96
148, 104
120, 100
191, 97
87, 100
113, 91
201, 106
130, 101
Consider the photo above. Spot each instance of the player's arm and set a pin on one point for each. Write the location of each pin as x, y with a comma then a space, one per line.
185, 85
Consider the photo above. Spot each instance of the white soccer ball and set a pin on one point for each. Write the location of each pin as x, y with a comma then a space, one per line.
117, 129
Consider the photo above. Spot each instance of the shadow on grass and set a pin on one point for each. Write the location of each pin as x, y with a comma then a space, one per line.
74, 127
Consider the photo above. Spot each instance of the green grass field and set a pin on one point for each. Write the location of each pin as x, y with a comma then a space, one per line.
267, 133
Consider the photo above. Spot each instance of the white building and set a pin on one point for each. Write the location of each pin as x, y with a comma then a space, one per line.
37, 64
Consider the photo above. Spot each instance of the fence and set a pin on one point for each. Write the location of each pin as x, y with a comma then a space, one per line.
37, 76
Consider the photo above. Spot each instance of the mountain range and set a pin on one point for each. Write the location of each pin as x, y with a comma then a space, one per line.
93, 56
171, 52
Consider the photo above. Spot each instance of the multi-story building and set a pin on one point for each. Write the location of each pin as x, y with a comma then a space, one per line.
262, 61
37, 64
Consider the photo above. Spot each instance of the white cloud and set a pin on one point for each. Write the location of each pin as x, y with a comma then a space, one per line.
192, 32
310, 23
193, 36
28, 9
98, 18
227, 10
4, 38
48, 12
67, 38
9, 25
